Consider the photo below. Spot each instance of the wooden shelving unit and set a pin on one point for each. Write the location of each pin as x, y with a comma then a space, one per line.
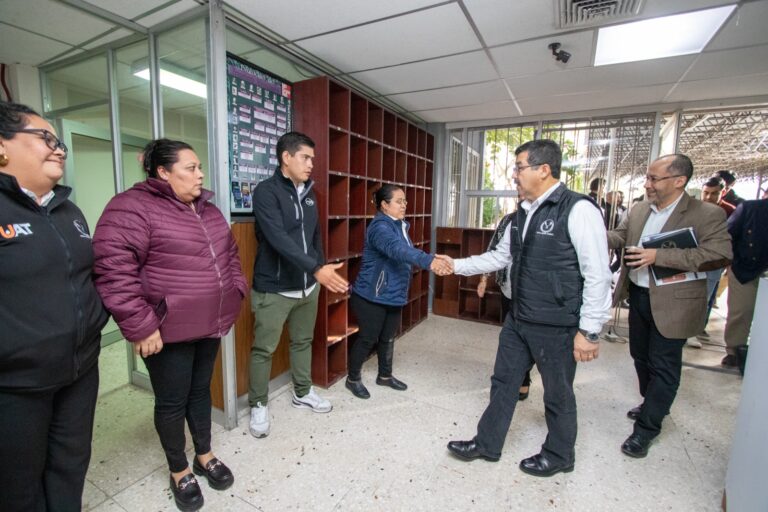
456, 296
360, 145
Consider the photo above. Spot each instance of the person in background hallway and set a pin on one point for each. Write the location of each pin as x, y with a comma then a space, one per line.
711, 192
612, 215
381, 288
661, 318
729, 195
502, 280
596, 187
750, 259
289, 265
50, 322
553, 321
168, 270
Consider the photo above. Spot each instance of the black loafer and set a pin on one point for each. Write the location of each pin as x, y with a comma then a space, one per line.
540, 465
187, 494
391, 382
523, 396
636, 446
467, 450
634, 412
218, 475
357, 388
730, 361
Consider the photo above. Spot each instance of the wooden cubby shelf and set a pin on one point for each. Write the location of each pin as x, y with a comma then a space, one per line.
456, 296
359, 146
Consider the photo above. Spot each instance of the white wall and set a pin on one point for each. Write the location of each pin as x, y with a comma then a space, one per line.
24, 82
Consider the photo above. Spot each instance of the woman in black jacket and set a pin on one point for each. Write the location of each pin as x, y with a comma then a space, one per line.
51, 318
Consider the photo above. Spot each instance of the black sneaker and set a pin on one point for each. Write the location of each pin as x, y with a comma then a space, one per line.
187, 493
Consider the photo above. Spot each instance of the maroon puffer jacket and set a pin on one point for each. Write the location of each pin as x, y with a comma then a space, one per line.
158, 264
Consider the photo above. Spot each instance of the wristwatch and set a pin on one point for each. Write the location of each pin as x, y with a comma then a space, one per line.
592, 337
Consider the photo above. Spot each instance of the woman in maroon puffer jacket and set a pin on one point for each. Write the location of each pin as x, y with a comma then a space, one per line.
167, 268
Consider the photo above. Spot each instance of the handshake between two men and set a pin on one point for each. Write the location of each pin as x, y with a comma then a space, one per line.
442, 265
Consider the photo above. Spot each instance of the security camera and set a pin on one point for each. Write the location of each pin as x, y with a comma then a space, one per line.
560, 55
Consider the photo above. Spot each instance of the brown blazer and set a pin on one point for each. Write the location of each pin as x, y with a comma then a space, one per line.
679, 310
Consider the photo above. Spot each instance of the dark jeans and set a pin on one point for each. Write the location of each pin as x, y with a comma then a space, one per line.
45, 446
658, 363
378, 325
551, 348
505, 305
181, 379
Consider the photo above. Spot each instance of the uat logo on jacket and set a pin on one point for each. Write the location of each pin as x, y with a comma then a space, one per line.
15, 230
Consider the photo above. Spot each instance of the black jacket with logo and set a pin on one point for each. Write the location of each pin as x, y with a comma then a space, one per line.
546, 282
50, 314
287, 230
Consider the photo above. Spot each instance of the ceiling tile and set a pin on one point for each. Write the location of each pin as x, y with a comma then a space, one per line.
497, 110
169, 12
633, 74
461, 95
19, 46
441, 72
532, 57
109, 37
502, 21
656, 8
745, 27
128, 10
740, 61
319, 17
53, 19
422, 35
618, 97
721, 88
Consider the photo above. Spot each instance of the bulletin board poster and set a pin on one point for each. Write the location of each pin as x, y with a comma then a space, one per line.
259, 112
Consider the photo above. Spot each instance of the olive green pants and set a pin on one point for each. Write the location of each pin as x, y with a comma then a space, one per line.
271, 311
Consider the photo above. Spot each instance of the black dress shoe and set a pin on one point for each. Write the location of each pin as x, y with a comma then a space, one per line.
218, 475
357, 388
391, 382
523, 396
467, 450
636, 446
730, 361
187, 494
540, 465
634, 412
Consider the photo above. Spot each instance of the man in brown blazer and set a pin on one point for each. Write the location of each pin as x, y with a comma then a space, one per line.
661, 318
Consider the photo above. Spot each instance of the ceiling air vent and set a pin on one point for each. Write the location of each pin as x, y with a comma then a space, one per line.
581, 13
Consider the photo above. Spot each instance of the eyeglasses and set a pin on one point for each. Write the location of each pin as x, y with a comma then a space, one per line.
656, 179
401, 202
52, 141
518, 170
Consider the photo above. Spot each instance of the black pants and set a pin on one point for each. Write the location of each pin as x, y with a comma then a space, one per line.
181, 379
505, 305
378, 326
551, 348
45, 446
658, 363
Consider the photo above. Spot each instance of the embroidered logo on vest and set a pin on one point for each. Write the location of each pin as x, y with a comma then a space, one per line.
546, 227
81, 229
15, 230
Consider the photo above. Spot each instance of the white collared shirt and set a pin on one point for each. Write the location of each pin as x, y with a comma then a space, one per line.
587, 231
405, 231
44, 201
298, 294
653, 225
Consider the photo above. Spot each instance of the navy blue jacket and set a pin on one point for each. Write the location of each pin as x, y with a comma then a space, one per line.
385, 272
750, 246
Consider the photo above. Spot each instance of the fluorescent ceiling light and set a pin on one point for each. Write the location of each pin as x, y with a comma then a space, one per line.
178, 82
668, 36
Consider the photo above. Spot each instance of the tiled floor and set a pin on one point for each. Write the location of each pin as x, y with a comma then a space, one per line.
388, 453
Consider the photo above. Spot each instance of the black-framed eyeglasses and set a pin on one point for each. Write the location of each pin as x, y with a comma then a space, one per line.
401, 202
656, 179
517, 169
52, 141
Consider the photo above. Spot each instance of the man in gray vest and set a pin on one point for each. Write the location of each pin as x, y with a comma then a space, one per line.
561, 286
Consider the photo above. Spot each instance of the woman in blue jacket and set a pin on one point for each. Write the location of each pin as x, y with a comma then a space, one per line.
381, 288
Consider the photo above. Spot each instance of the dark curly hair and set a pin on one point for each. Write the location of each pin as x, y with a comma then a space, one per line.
14, 117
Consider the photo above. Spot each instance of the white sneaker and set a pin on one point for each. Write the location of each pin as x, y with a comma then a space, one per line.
693, 342
311, 401
259, 426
